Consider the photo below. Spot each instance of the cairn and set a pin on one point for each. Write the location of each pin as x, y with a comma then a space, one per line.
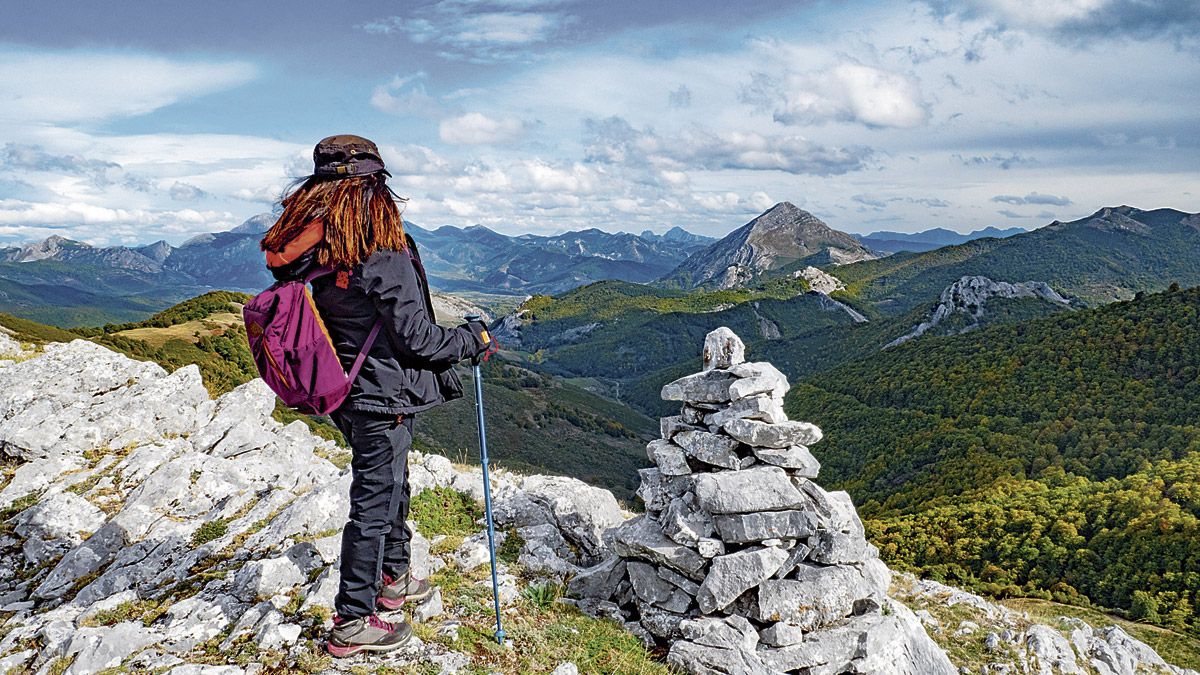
741, 563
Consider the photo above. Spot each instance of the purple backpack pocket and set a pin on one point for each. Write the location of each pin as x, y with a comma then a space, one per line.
293, 352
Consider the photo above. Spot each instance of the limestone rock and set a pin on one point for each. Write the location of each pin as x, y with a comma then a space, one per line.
748, 528
796, 457
759, 407
757, 378
691, 657
684, 522
747, 491
734, 574
56, 524
782, 634
722, 349
599, 581
761, 434
817, 597
709, 448
668, 457
642, 538
725, 632
710, 386
96, 649
583, 513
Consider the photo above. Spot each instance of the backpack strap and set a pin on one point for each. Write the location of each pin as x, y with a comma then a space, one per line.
366, 347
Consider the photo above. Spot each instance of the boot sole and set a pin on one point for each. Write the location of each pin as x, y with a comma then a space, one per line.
341, 652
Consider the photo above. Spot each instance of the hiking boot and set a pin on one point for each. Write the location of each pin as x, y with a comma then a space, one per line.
396, 591
368, 634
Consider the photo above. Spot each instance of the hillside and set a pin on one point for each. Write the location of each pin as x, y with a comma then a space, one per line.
149, 529
530, 416
1057, 456
780, 236
1107, 256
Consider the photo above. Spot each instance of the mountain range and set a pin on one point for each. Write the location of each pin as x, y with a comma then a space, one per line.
927, 240
67, 282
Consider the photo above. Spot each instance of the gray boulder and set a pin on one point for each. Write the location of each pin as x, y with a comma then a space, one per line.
709, 448
747, 491
710, 386
734, 574
761, 434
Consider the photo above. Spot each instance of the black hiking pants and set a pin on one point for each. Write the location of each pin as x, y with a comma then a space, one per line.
376, 540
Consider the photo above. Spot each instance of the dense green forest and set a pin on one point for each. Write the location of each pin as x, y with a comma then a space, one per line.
1056, 456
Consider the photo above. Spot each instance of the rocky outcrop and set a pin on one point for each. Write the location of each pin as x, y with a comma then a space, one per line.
968, 296
819, 281
146, 527
742, 563
1015, 644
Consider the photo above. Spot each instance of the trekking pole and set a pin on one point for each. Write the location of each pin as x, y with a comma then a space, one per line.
487, 488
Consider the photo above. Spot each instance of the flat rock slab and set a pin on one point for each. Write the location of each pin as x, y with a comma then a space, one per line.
725, 632
757, 378
765, 488
668, 457
763, 408
819, 597
764, 435
746, 528
690, 657
710, 386
714, 449
795, 457
734, 574
642, 537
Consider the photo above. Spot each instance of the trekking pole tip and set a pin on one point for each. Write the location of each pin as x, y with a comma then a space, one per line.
500, 637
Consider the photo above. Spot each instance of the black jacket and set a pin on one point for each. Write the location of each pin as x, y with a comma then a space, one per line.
410, 366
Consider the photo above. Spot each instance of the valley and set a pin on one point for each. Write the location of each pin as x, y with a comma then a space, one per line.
1013, 415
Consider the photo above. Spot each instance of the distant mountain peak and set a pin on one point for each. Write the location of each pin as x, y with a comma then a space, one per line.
781, 235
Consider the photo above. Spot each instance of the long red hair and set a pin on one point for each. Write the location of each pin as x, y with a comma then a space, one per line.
359, 216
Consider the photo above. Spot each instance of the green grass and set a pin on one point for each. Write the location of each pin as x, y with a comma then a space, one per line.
446, 511
209, 531
540, 635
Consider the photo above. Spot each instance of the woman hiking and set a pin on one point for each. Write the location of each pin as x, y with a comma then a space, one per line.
344, 216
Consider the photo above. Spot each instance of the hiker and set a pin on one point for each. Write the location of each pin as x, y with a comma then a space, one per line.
344, 216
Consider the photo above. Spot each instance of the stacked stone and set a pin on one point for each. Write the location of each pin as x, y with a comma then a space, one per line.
741, 563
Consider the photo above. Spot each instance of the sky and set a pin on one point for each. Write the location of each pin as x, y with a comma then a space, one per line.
129, 122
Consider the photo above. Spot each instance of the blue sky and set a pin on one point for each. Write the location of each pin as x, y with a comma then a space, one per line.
126, 122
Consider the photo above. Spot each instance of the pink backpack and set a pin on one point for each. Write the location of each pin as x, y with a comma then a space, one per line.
293, 351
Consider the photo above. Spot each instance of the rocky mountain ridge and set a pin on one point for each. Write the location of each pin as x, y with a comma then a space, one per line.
781, 235
148, 528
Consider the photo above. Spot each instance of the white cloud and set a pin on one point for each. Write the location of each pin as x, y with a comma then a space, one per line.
80, 86
847, 92
406, 96
478, 32
478, 129
723, 202
504, 28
